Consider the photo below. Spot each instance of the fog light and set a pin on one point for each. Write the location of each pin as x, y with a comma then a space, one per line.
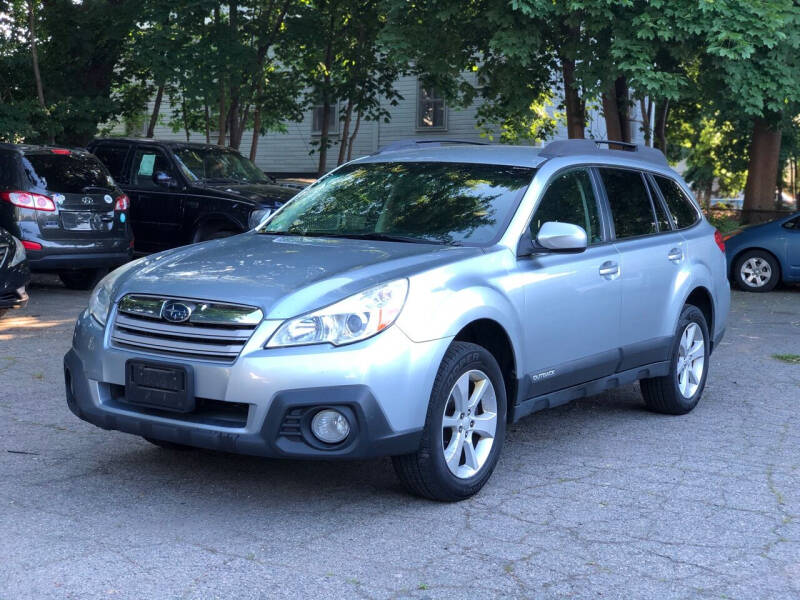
330, 426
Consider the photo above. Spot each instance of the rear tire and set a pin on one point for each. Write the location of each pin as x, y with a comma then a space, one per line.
466, 421
678, 392
756, 271
85, 279
169, 445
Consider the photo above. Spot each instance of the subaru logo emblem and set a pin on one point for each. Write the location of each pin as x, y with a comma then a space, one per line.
176, 312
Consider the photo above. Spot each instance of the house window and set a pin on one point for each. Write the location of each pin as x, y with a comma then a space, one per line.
333, 119
431, 109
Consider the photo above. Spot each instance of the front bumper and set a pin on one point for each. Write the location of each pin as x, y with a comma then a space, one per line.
382, 385
12, 286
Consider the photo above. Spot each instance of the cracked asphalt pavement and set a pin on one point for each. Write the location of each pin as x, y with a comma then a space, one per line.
597, 499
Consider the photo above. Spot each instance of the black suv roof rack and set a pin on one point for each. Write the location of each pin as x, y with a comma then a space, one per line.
408, 144
573, 147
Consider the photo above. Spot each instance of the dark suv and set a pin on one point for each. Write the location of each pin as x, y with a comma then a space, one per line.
65, 207
183, 193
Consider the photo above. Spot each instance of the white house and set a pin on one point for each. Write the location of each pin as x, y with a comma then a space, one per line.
420, 114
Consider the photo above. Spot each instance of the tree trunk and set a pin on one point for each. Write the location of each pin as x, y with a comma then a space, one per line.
207, 122
35, 59
762, 171
256, 132
343, 138
223, 114
151, 127
576, 108
646, 108
623, 108
615, 111
326, 103
353, 137
660, 133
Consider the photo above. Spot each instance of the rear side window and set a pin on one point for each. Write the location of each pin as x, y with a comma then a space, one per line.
631, 209
8, 171
570, 199
661, 213
680, 206
113, 157
66, 173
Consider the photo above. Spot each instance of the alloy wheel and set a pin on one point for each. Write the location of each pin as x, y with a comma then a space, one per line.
469, 424
691, 360
755, 272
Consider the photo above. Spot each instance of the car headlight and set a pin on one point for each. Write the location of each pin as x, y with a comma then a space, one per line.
19, 253
101, 298
351, 320
257, 216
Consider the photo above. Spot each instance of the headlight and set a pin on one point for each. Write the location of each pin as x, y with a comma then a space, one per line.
257, 216
353, 319
19, 253
100, 300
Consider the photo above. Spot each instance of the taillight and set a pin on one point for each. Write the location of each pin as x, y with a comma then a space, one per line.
31, 245
123, 203
60, 151
29, 200
719, 240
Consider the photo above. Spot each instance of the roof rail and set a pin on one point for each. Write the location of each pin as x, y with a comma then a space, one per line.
573, 147
408, 144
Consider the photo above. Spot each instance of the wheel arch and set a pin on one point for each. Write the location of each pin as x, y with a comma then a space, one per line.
212, 222
491, 335
701, 297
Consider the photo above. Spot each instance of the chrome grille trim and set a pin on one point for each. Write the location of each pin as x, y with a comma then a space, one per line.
219, 334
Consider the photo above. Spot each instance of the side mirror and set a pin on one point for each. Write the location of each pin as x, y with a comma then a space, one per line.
164, 180
562, 237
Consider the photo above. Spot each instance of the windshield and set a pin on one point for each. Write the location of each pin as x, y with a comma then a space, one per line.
218, 165
66, 173
434, 202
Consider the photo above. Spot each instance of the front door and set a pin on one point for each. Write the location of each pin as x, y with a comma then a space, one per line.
156, 205
572, 301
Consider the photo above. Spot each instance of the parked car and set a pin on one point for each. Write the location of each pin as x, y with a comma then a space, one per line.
411, 304
66, 209
14, 273
759, 257
185, 193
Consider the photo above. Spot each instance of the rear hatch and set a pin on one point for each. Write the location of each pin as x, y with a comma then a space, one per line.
83, 191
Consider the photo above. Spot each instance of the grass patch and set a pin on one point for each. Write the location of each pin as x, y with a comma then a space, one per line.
792, 359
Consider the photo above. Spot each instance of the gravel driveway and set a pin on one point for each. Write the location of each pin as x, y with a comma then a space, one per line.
597, 499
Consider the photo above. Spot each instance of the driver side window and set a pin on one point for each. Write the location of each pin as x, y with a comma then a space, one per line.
146, 163
570, 198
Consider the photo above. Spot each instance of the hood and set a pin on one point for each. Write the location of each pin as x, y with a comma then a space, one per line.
283, 275
259, 193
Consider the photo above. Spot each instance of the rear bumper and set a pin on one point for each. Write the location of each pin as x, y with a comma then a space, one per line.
42, 261
74, 253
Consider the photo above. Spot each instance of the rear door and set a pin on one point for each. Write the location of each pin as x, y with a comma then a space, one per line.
81, 188
156, 209
651, 257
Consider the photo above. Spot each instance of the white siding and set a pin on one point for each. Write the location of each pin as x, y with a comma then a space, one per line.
290, 152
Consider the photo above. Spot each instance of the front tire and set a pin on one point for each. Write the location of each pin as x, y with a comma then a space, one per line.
678, 392
756, 271
464, 428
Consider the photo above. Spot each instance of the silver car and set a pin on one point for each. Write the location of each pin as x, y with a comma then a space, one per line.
412, 304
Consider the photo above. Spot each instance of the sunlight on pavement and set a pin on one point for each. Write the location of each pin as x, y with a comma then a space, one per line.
17, 326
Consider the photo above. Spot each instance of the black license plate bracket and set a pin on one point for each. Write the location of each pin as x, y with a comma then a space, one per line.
163, 386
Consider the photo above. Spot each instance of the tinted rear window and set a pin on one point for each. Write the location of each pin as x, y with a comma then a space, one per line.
113, 157
682, 209
630, 203
66, 173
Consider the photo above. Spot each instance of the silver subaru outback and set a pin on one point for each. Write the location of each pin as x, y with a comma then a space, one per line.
412, 304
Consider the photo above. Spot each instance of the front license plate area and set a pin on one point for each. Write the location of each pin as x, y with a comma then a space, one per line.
159, 385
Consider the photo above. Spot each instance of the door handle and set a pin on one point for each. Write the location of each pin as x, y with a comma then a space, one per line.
675, 255
609, 269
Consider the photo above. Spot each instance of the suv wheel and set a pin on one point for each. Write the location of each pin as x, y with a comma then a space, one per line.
85, 279
464, 428
756, 271
679, 392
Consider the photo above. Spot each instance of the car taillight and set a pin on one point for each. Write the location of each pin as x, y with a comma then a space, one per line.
60, 151
29, 200
719, 240
31, 245
123, 203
